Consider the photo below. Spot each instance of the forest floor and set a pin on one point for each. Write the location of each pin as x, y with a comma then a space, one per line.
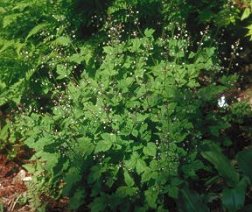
13, 189
12, 186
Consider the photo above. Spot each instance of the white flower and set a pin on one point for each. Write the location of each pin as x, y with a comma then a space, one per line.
222, 101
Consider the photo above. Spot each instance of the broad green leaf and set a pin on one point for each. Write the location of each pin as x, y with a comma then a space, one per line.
190, 169
2, 85
147, 175
131, 163
71, 178
76, 58
233, 199
37, 29
189, 201
244, 159
246, 13
103, 146
4, 132
2, 10
40, 143
62, 71
3, 98
109, 136
134, 132
150, 149
140, 166
14, 92
149, 32
136, 43
172, 191
6, 44
9, 19
116, 6
51, 159
62, 41
106, 144
77, 199
211, 92
87, 52
151, 196
84, 147
98, 204
128, 179
212, 153
95, 174
249, 34
125, 191
21, 6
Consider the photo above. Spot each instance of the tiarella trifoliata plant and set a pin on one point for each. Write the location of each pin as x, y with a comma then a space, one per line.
119, 102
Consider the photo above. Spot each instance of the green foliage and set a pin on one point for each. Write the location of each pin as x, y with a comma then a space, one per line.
233, 199
125, 124
246, 15
244, 158
119, 101
191, 201
213, 154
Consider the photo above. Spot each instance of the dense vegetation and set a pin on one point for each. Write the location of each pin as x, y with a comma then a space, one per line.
129, 105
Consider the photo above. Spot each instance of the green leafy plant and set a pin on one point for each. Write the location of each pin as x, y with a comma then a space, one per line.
125, 125
119, 102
